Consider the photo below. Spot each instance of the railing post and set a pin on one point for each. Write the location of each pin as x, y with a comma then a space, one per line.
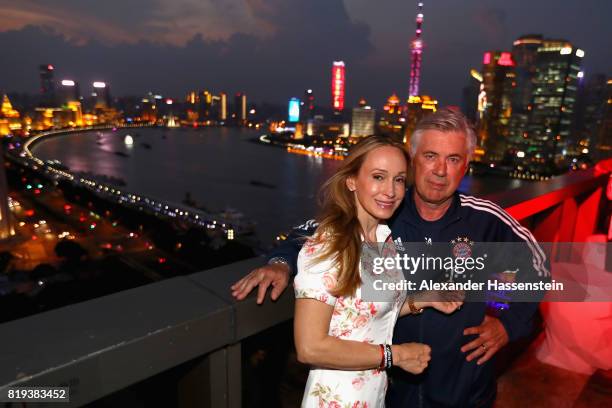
215, 381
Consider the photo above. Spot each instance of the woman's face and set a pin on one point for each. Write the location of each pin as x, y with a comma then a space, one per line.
380, 185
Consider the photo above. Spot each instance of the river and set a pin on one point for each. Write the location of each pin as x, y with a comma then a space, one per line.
220, 167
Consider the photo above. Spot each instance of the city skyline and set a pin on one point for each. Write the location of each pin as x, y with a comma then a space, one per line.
281, 47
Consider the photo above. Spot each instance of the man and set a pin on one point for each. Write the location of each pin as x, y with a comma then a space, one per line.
460, 373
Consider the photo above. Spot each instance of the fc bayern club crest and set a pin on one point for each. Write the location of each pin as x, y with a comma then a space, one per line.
462, 247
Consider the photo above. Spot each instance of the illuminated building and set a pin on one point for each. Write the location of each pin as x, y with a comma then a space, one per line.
330, 130
416, 53
308, 103
7, 108
392, 111
101, 94
603, 142
192, 104
524, 55
240, 109
205, 105
363, 120
222, 107
10, 120
67, 116
103, 110
207, 96
148, 109
498, 80
68, 91
48, 118
7, 229
337, 86
47, 86
590, 110
171, 122
294, 110
192, 98
555, 85
392, 119
299, 131
416, 108
469, 97
75, 107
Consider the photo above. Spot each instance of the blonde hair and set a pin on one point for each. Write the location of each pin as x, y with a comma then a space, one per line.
339, 230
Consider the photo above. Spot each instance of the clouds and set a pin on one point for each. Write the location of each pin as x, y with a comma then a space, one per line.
271, 49
113, 22
172, 22
72, 19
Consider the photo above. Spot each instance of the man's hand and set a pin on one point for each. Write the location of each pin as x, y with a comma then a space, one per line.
492, 336
276, 275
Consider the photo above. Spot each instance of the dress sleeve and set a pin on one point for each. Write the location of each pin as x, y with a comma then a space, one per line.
315, 278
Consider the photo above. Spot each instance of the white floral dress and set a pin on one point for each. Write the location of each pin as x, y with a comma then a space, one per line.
353, 319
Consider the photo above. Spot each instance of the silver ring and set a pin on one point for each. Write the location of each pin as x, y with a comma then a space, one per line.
484, 347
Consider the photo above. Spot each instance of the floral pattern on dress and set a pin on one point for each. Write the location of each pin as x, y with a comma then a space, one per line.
353, 318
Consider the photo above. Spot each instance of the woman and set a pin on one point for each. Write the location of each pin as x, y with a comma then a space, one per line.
345, 338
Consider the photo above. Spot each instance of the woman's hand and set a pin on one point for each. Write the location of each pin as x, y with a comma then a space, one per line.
411, 357
446, 307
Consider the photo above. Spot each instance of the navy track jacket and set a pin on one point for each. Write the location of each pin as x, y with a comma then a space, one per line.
449, 380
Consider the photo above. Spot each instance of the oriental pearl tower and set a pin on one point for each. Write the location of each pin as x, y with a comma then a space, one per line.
416, 51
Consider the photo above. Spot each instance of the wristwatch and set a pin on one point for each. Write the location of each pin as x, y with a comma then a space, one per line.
412, 307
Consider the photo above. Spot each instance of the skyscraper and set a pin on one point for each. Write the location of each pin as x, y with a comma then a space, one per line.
223, 107
47, 86
469, 96
555, 84
337, 86
192, 97
148, 108
392, 119
68, 92
392, 111
416, 51
416, 108
524, 55
603, 142
308, 104
498, 80
362, 123
101, 94
240, 108
294, 110
590, 109
204, 102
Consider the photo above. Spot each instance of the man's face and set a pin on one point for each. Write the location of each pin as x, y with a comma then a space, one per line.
439, 164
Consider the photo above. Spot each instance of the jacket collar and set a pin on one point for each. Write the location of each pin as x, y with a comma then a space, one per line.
408, 212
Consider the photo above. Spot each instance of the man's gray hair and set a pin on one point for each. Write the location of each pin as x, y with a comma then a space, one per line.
445, 120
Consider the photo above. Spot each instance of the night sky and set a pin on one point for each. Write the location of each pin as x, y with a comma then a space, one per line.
274, 49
